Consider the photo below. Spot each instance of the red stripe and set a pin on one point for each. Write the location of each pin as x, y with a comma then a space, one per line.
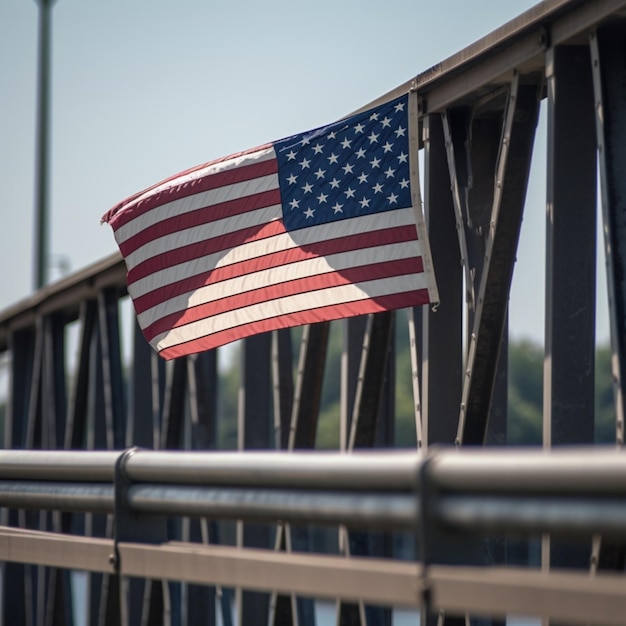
201, 215
322, 314
122, 214
203, 248
311, 284
398, 234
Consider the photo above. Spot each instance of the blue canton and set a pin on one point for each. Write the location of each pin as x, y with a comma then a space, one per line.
357, 166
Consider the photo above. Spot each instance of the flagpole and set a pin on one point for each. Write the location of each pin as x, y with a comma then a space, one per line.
42, 149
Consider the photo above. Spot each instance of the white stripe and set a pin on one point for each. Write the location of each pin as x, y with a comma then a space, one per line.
197, 234
213, 168
279, 243
278, 275
204, 199
289, 305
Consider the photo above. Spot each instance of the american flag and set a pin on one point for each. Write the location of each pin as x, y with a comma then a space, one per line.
318, 226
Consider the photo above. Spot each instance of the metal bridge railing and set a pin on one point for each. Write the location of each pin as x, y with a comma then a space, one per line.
444, 497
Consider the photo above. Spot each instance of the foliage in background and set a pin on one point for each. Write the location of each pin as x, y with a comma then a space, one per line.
525, 392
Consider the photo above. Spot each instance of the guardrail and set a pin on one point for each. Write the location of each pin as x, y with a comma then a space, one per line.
442, 496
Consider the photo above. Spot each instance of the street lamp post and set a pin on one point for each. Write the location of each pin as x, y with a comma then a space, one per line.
41, 247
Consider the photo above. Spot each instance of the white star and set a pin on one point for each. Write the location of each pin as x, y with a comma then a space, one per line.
362, 178
377, 188
364, 202
318, 148
309, 212
346, 143
291, 155
320, 173
360, 153
392, 198
294, 204
305, 163
292, 180
305, 141
337, 208
332, 134
388, 147
375, 162
374, 116
386, 121
347, 168
389, 172
349, 192
333, 158
399, 107
307, 188
334, 183
403, 157
358, 128
400, 131
373, 137
404, 183
322, 197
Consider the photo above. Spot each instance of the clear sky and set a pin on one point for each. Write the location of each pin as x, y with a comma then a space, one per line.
143, 89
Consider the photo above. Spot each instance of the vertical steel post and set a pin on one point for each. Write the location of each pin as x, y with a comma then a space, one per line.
570, 265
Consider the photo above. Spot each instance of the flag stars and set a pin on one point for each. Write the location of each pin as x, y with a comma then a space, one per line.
362, 178
403, 158
375, 162
365, 202
347, 168
360, 153
399, 107
386, 122
388, 147
292, 180
399, 131
332, 135
373, 117
318, 148
373, 137
389, 172
309, 212
305, 163
294, 204
322, 198
291, 155
346, 143
358, 128
308, 188
337, 208
377, 188
404, 184
334, 183
392, 198
349, 192
333, 158
320, 173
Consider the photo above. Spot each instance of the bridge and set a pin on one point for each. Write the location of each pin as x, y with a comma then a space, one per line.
120, 507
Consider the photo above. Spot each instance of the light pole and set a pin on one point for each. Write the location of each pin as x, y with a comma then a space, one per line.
42, 148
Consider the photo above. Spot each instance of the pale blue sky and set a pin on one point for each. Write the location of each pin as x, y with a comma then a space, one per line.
143, 89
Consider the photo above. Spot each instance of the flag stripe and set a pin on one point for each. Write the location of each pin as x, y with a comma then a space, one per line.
289, 305
350, 243
200, 216
227, 249
285, 272
223, 172
181, 207
310, 316
303, 285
